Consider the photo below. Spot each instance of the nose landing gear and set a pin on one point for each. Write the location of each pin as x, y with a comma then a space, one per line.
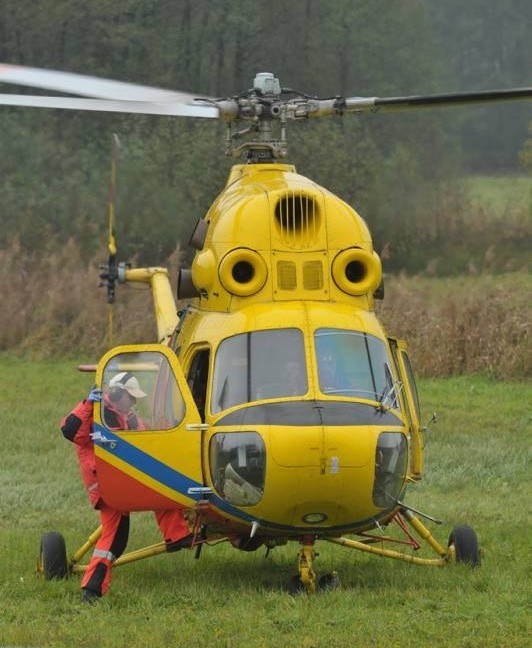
306, 580
307, 575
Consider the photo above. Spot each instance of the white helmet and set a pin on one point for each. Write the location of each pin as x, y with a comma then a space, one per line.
127, 381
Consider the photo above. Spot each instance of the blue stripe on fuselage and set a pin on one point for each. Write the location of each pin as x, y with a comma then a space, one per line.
162, 472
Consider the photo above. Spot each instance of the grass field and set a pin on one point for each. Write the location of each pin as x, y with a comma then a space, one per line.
476, 473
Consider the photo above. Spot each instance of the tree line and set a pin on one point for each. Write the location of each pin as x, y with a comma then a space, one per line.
402, 172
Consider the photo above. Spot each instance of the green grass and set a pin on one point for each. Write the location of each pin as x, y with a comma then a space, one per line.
476, 473
500, 195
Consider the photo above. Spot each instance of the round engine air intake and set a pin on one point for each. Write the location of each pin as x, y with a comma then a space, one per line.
357, 271
243, 272
185, 287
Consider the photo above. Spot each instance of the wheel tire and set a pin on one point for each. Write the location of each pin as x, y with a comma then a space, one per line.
465, 543
52, 556
329, 582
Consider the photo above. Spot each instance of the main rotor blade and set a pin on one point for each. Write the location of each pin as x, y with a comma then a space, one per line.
389, 104
102, 105
88, 86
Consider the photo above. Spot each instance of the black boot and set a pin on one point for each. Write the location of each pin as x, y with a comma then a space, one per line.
89, 596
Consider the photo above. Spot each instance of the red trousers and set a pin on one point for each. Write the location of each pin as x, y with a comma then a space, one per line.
113, 541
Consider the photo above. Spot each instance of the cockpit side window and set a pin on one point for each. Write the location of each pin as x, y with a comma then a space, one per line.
257, 366
354, 364
197, 379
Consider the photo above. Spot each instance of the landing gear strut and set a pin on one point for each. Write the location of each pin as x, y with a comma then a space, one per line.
306, 580
307, 575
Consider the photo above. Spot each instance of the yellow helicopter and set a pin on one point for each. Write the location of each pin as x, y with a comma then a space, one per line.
278, 408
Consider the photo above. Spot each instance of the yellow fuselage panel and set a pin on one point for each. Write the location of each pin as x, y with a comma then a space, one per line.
290, 493
326, 447
174, 449
294, 225
325, 470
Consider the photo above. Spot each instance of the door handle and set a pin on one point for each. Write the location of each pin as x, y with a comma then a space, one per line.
103, 440
190, 427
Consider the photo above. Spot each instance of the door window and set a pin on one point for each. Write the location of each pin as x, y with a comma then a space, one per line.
141, 393
412, 408
412, 383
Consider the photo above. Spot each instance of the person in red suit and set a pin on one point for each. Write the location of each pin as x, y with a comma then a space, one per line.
77, 426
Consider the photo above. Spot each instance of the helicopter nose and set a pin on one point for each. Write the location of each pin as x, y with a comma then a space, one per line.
327, 473
296, 446
328, 447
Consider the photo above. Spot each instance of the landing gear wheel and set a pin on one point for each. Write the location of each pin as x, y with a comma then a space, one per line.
329, 582
465, 543
52, 556
295, 586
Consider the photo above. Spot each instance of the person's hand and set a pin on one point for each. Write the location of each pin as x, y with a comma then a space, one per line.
95, 395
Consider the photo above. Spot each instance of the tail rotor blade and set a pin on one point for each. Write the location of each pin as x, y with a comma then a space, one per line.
115, 150
109, 271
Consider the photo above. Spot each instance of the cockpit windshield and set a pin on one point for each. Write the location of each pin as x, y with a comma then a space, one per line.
353, 364
259, 365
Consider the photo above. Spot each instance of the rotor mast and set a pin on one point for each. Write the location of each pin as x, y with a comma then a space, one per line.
266, 134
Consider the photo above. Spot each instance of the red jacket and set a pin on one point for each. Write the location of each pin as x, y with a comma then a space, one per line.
78, 426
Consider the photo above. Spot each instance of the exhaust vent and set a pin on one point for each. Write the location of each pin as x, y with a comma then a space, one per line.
297, 215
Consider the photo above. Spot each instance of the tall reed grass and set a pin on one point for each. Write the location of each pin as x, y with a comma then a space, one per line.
51, 307
460, 325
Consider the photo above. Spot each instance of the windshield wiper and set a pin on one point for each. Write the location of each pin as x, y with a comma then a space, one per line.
394, 389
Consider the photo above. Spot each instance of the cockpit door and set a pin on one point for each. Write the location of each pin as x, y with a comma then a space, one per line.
402, 362
147, 434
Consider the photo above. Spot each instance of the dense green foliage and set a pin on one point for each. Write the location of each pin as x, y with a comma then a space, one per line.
476, 473
400, 170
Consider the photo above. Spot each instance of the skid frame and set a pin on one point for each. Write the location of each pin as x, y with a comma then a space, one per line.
373, 544
368, 544
75, 567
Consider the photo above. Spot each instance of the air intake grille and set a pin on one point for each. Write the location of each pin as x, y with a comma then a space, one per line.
313, 275
297, 215
286, 275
